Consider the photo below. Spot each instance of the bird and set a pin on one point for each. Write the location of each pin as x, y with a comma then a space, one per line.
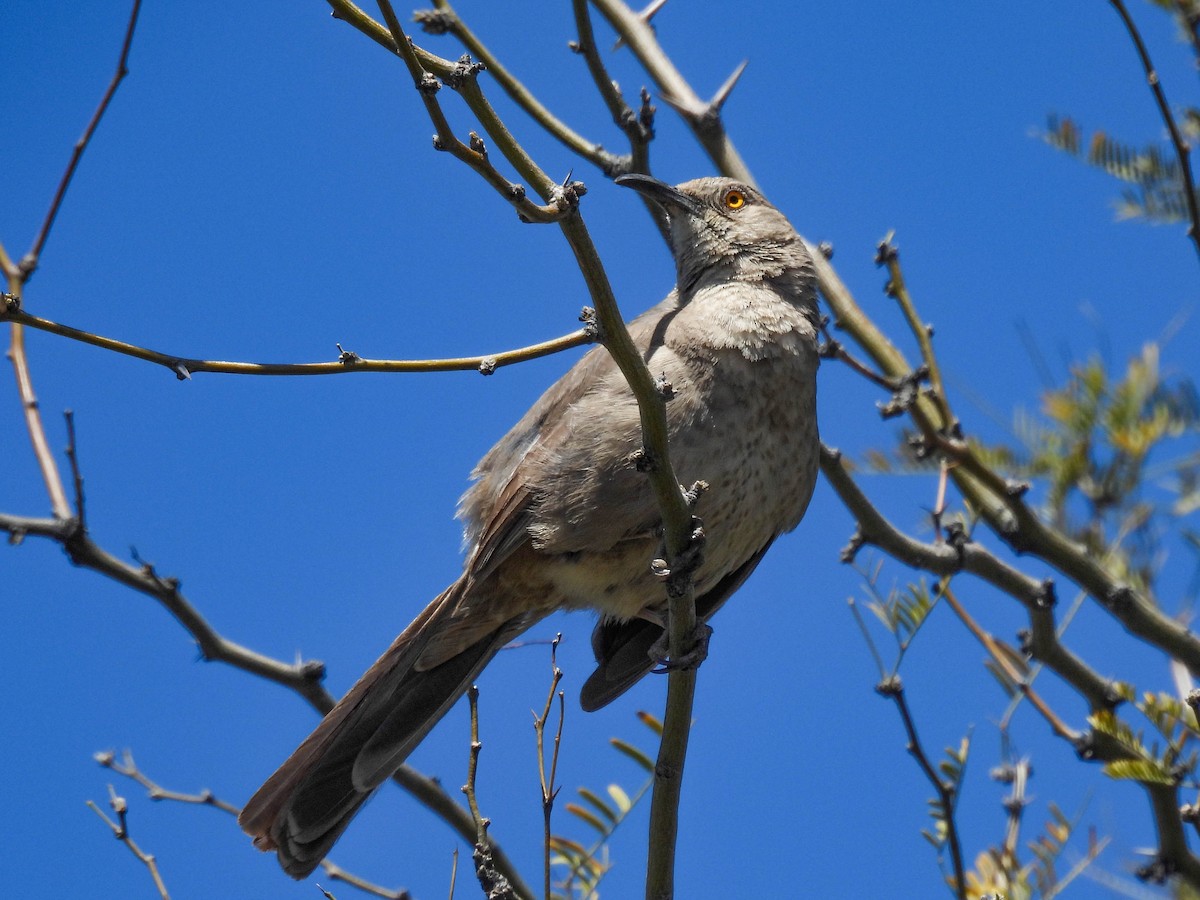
559, 517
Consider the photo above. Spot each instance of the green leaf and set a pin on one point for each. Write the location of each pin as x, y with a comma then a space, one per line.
633, 753
1141, 770
620, 798
588, 816
601, 807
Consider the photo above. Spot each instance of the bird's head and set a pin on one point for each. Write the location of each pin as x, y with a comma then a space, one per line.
721, 228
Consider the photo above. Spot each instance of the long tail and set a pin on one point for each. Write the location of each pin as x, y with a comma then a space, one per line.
305, 806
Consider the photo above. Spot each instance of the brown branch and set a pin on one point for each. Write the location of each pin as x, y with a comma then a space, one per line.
129, 769
887, 254
964, 555
893, 688
638, 128
1182, 150
495, 885
30, 262
184, 367
17, 274
462, 76
444, 19
547, 780
703, 117
1057, 725
34, 426
120, 830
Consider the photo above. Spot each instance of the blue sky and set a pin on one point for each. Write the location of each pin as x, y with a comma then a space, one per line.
263, 187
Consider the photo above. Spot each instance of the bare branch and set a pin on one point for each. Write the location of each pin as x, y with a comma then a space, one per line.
893, 688
704, 120
34, 426
444, 19
129, 769
1182, 150
30, 262
184, 367
495, 885
547, 779
120, 830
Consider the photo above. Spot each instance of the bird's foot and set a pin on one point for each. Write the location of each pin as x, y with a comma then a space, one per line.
696, 653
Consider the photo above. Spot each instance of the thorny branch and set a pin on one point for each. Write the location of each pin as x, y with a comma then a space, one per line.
126, 767
184, 367
120, 830
893, 688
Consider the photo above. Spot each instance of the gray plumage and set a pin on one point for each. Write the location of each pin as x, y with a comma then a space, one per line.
560, 518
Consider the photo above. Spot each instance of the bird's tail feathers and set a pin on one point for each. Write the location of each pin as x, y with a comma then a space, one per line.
302, 809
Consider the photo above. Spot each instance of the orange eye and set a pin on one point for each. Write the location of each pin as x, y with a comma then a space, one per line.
735, 199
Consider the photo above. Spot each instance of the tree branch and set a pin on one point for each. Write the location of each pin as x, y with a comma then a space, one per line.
1182, 150
184, 367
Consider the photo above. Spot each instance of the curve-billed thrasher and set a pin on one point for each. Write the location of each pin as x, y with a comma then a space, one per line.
560, 518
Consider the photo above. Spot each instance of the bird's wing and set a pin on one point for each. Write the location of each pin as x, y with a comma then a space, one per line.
517, 474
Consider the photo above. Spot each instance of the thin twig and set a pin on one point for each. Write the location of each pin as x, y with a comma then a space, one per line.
76, 475
30, 262
495, 885
639, 130
1038, 597
18, 274
897, 288
347, 362
549, 788
893, 688
59, 505
1057, 725
1182, 150
129, 769
445, 19
462, 77
703, 117
120, 830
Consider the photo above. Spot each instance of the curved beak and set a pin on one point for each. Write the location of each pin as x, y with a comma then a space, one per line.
669, 197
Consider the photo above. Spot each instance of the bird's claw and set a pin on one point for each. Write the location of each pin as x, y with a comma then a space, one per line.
690, 659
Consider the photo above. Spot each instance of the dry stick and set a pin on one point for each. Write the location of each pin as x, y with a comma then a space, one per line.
703, 117
493, 882
638, 128
897, 289
549, 790
446, 20
18, 274
1037, 597
893, 688
129, 769
30, 262
1057, 725
185, 367
33, 424
120, 830
1182, 150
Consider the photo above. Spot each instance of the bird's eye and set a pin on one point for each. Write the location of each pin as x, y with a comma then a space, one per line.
734, 199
